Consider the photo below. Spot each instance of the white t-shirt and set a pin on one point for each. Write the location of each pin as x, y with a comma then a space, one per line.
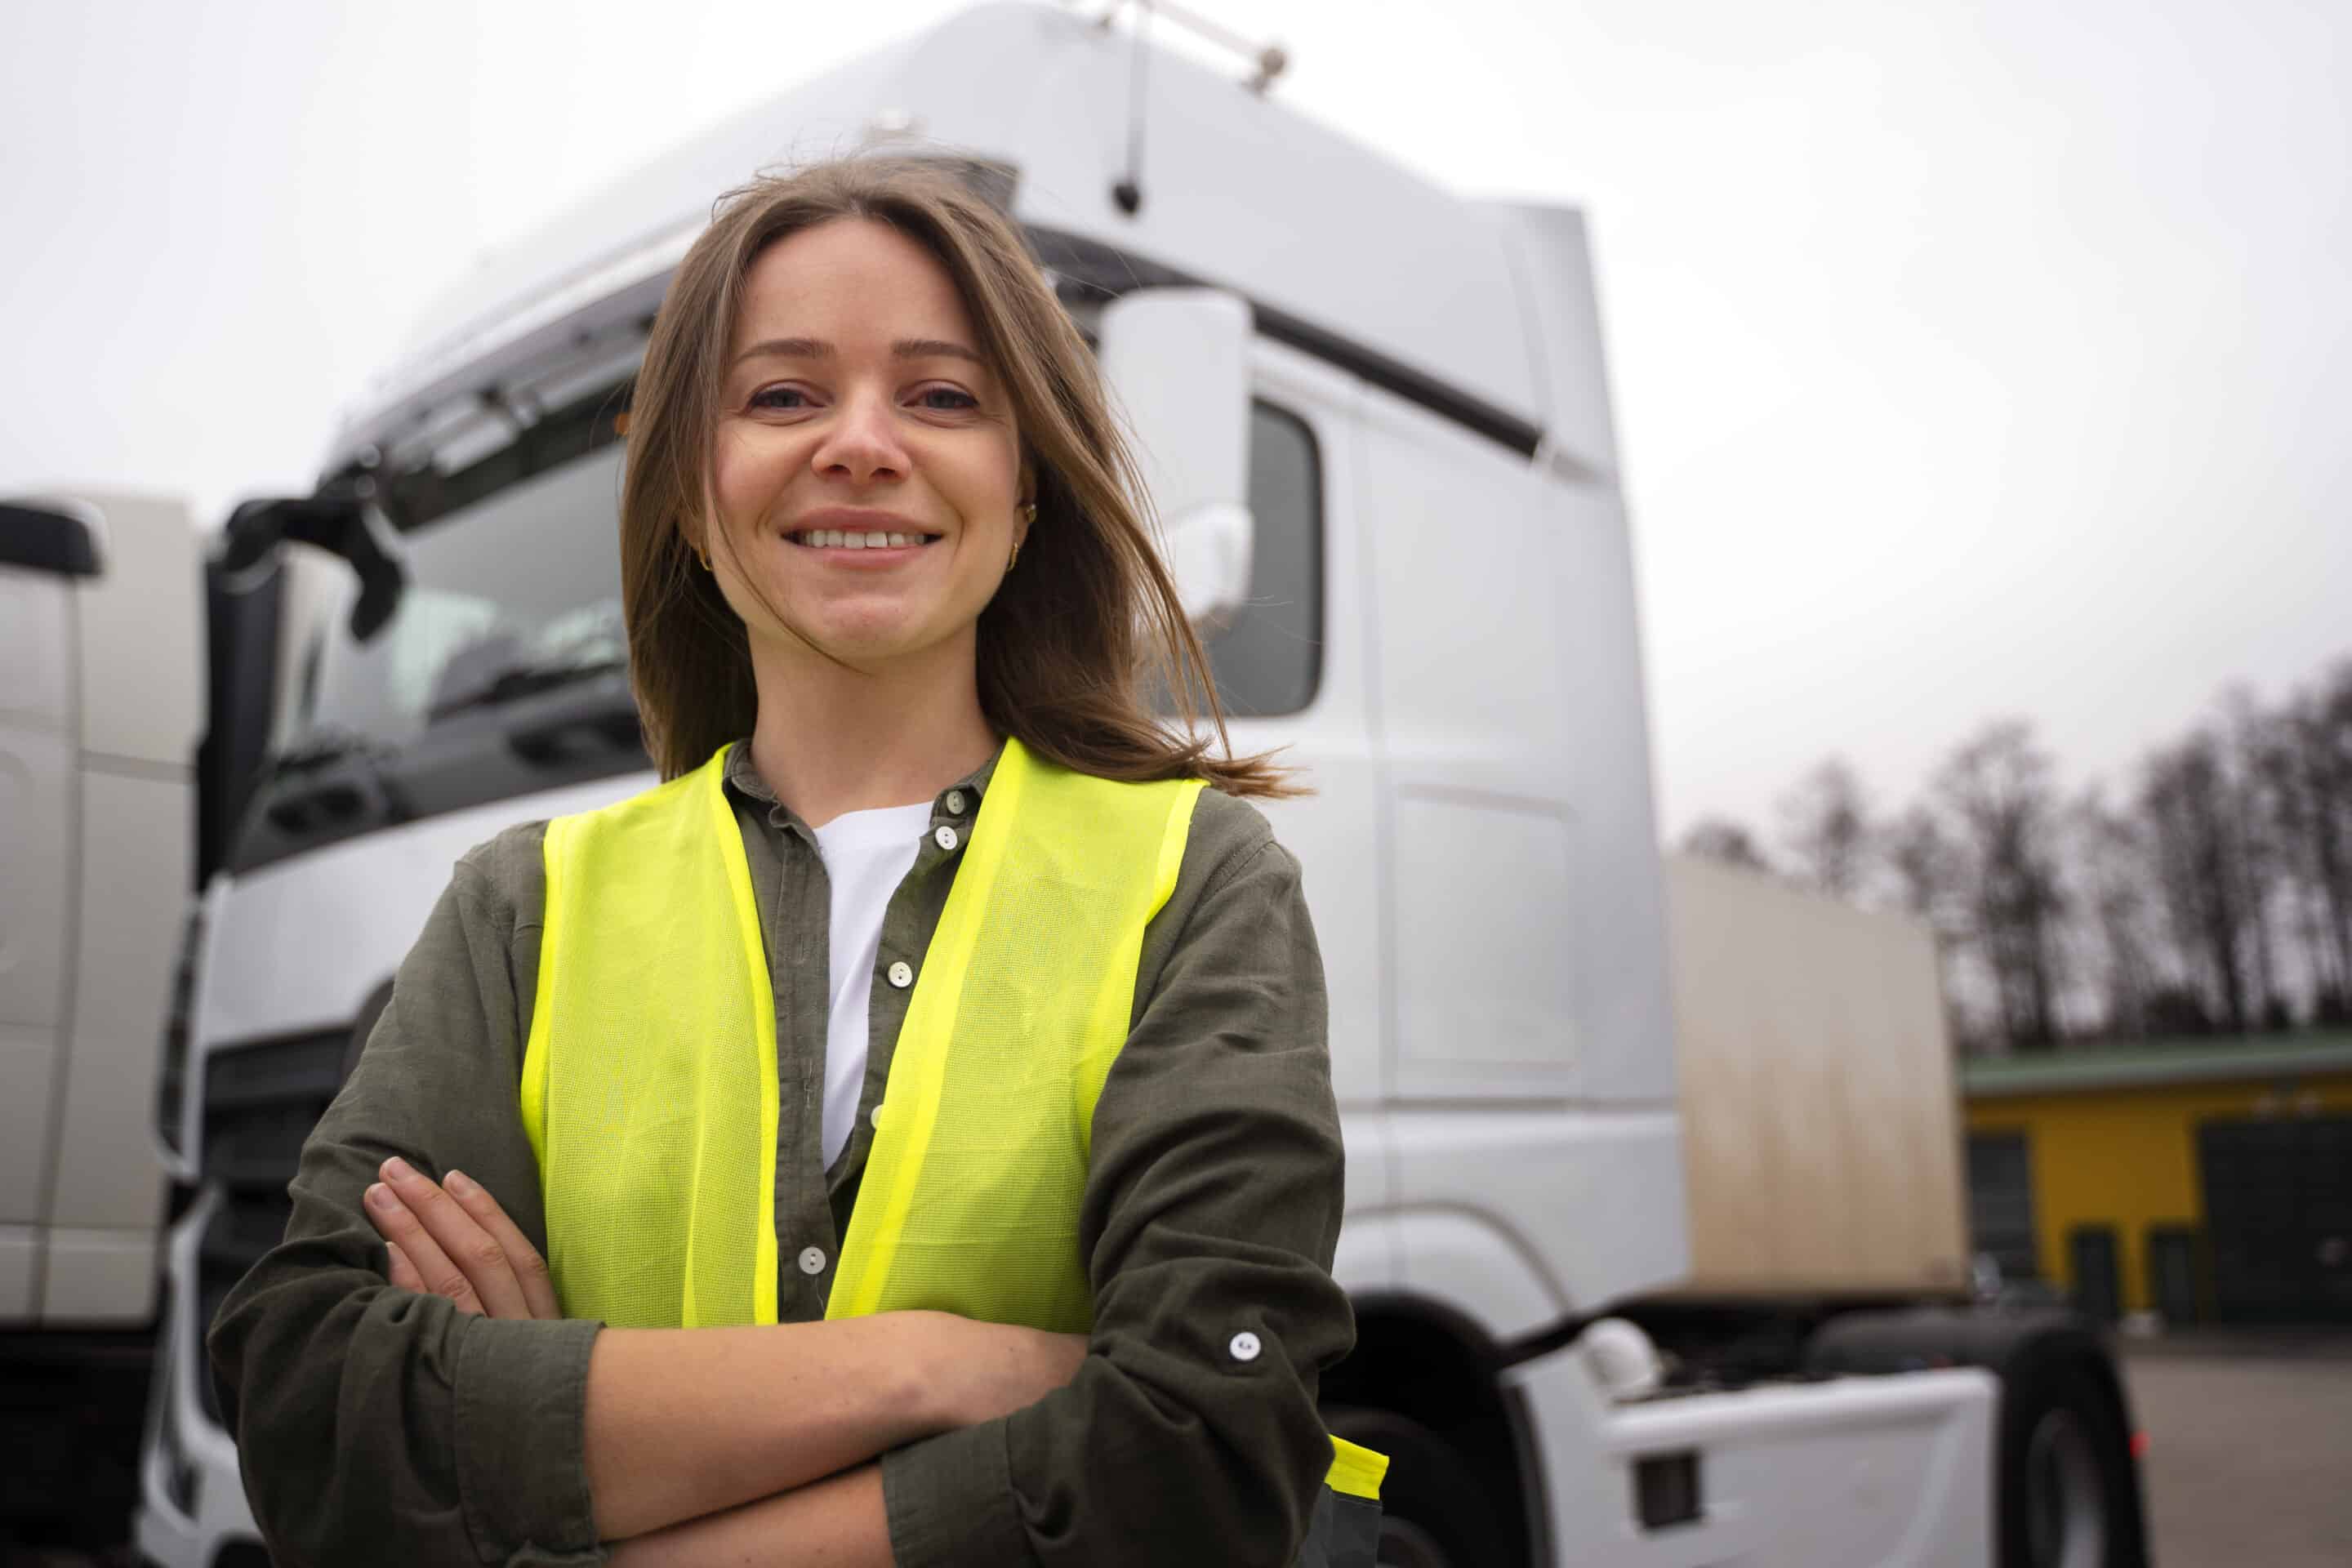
866, 855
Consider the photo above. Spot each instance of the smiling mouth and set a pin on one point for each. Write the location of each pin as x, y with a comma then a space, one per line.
854, 539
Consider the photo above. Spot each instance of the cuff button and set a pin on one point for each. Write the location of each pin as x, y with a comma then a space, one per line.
1244, 1346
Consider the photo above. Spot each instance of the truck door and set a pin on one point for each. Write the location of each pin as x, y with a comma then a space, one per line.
43, 551
1292, 671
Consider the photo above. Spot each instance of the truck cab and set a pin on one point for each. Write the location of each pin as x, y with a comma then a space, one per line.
99, 602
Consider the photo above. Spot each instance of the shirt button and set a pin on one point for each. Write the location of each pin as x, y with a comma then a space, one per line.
955, 803
901, 976
946, 836
1244, 1346
812, 1259
875, 1116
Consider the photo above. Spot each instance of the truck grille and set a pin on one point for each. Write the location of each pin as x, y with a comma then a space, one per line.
260, 1102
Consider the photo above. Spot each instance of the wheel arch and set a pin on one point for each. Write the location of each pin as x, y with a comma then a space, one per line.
1430, 1360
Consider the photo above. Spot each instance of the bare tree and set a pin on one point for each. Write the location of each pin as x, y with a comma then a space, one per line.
1722, 840
1826, 829
1928, 872
2120, 907
2308, 766
2192, 810
2262, 856
1999, 790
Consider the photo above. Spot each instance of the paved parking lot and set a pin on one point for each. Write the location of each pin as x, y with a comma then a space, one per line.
2250, 1450
2248, 1463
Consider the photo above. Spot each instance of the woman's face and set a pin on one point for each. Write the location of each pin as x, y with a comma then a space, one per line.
866, 469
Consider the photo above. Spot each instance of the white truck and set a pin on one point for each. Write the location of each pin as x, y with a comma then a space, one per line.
97, 741
1607, 1314
115, 630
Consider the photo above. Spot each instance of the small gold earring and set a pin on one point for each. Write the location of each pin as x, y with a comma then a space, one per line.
1028, 511
1009, 565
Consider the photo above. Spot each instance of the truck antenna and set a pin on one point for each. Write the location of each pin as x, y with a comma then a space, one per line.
1269, 60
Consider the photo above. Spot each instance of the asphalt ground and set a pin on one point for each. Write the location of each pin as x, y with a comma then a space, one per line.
2249, 1460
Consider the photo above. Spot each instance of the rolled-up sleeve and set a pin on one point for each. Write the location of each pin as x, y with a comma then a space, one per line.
376, 1426
1191, 1434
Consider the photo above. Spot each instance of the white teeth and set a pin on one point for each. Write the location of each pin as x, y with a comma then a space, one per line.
837, 539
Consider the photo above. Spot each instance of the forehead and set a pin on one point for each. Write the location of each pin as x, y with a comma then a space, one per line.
846, 280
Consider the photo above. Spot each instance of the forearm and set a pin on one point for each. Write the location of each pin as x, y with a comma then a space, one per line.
837, 1522
687, 1422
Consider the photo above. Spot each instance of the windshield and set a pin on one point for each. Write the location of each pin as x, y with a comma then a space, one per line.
526, 581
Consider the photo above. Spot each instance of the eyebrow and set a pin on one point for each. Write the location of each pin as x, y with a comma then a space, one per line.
817, 348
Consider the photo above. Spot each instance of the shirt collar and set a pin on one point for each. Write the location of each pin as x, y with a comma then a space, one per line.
743, 778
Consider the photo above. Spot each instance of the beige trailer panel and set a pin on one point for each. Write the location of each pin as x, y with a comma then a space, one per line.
1821, 1127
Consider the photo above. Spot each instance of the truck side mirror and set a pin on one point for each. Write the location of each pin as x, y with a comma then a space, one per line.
1178, 361
49, 537
334, 522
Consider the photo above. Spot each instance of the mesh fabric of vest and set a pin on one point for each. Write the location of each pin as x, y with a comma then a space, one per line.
649, 1080
969, 1202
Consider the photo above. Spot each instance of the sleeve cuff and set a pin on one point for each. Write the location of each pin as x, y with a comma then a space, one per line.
521, 1442
950, 1502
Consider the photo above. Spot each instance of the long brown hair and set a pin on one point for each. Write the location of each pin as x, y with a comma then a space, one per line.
1067, 643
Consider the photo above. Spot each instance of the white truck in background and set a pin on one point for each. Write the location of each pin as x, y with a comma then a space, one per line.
125, 756
100, 705
1653, 1265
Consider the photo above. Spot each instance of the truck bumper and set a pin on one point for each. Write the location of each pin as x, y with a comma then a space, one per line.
1853, 1471
192, 1510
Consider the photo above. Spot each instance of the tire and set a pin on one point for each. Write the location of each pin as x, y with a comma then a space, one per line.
1437, 1511
2068, 1495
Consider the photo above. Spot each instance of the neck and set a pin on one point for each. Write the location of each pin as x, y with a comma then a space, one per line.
831, 739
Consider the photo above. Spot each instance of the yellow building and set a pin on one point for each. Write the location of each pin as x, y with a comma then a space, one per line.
2208, 1180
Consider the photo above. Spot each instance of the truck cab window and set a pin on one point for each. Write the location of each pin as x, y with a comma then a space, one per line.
527, 579
1269, 661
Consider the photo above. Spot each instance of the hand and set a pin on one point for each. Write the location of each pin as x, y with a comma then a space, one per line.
988, 1370
451, 1238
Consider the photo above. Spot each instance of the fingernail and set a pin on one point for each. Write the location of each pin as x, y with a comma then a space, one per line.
380, 1197
457, 1182
395, 1168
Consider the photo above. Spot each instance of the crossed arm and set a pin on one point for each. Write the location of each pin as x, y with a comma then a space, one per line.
707, 1446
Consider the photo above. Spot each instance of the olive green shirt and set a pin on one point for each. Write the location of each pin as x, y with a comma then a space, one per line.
375, 1425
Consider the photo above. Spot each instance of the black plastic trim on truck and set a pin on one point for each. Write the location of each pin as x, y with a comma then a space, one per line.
571, 736
261, 1098
1107, 272
43, 539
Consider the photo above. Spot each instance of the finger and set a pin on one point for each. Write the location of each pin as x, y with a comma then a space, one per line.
475, 1251
403, 1273
530, 1268
437, 1276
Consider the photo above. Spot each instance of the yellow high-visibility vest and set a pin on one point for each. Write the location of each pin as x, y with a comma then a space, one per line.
649, 1079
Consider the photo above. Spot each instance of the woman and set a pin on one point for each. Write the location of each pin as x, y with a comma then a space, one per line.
886, 593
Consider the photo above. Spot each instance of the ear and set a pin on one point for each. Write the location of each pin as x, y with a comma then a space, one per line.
1025, 491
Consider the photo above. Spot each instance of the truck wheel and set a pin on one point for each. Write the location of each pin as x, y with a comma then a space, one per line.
2066, 1494
1435, 1510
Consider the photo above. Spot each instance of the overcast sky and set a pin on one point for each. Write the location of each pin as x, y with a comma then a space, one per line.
1972, 357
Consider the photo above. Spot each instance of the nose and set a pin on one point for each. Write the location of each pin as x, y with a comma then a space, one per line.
861, 443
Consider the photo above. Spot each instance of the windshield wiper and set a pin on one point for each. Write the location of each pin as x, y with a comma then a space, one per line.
519, 681
329, 777
322, 747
